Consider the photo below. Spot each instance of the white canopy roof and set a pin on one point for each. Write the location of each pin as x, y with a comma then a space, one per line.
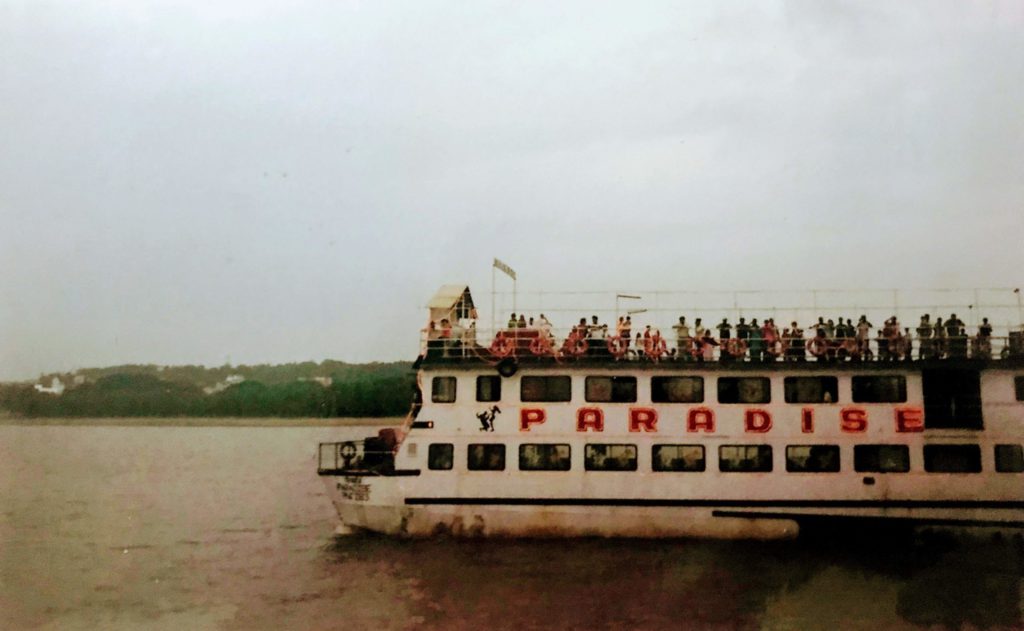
453, 302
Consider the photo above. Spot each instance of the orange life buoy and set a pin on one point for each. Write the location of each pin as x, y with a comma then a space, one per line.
818, 346
503, 346
617, 347
654, 348
575, 345
736, 347
540, 345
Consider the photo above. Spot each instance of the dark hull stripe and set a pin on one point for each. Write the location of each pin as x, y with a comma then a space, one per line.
550, 501
825, 517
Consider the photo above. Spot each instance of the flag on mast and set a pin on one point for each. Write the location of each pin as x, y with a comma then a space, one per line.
505, 268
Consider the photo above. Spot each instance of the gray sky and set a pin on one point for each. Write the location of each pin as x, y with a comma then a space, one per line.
187, 182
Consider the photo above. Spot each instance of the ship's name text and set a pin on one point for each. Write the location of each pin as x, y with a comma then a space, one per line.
852, 419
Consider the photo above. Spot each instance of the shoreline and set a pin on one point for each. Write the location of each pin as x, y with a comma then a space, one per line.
192, 421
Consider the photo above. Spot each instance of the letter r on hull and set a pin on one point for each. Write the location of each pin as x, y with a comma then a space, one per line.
643, 419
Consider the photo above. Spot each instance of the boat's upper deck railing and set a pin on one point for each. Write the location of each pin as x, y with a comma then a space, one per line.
886, 325
785, 345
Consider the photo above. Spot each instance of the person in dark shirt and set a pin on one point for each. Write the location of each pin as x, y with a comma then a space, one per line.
924, 335
724, 329
985, 339
742, 329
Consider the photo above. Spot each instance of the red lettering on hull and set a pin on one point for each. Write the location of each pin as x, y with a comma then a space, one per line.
531, 416
589, 419
643, 419
807, 420
853, 420
909, 420
757, 421
700, 419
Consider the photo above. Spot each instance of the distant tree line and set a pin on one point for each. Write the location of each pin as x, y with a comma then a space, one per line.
282, 391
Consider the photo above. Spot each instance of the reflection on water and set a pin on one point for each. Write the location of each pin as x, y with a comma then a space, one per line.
110, 527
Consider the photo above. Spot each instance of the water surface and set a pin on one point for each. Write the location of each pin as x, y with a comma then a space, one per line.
229, 528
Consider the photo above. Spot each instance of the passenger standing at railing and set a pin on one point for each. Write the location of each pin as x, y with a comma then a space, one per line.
925, 345
756, 342
683, 340
724, 335
985, 339
907, 344
707, 346
597, 334
698, 329
863, 334
522, 321
627, 331
940, 338
513, 322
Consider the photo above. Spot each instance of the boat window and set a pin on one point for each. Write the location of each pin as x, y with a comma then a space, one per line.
442, 390
677, 458
539, 389
811, 389
610, 389
812, 458
488, 388
881, 458
440, 456
541, 457
952, 398
486, 457
952, 458
744, 390
1018, 386
1009, 459
677, 389
879, 389
609, 458
746, 458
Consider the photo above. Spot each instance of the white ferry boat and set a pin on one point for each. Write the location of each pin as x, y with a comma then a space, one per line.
533, 433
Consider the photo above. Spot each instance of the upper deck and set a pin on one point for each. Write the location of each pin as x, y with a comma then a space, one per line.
792, 331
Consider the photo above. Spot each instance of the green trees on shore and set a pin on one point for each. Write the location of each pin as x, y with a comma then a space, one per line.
291, 390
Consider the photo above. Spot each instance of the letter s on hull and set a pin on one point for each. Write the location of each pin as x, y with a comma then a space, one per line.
853, 420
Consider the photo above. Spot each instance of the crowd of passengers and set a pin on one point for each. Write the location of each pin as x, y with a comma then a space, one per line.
827, 340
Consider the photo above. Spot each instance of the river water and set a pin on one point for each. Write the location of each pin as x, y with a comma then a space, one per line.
229, 528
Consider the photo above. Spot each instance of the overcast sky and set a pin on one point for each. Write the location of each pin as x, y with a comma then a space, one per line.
196, 182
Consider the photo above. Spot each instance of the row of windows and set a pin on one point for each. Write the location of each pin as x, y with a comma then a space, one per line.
866, 389
738, 458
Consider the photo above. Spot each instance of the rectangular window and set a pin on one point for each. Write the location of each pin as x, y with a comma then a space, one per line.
1018, 386
442, 390
677, 389
881, 458
486, 457
677, 458
811, 389
540, 457
952, 399
488, 388
952, 458
879, 389
746, 458
440, 456
744, 390
609, 458
812, 458
610, 389
545, 389
1009, 459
